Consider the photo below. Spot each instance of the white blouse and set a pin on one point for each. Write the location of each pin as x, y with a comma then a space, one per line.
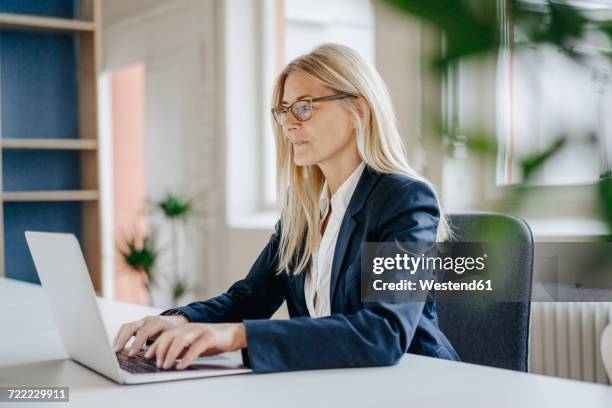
316, 284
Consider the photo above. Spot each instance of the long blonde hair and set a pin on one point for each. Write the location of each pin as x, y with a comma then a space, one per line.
378, 141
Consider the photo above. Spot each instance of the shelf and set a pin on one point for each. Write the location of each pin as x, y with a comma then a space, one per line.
50, 48
53, 144
55, 195
10, 21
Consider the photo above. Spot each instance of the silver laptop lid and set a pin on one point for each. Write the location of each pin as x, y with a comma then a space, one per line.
64, 276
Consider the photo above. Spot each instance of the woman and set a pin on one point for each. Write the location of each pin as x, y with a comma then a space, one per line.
343, 179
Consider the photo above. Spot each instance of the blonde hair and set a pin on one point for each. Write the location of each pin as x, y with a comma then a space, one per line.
378, 141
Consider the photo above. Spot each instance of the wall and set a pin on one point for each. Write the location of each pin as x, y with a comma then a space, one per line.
129, 181
115, 11
176, 44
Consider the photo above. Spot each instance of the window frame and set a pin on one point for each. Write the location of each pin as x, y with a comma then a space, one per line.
573, 201
272, 27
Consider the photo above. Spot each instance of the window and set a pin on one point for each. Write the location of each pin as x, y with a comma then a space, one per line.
292, 28
525, 97
545, 94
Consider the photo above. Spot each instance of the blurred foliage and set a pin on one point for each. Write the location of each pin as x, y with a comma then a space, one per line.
472, 27
140, 256
176, 211
175, 207
531, 163
605, 198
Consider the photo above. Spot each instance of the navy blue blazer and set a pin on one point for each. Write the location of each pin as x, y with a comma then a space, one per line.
384, 207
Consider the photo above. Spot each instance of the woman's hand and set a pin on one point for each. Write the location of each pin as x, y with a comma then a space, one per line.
196, 339
144, 329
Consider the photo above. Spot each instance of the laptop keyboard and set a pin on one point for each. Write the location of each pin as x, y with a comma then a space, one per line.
139, 364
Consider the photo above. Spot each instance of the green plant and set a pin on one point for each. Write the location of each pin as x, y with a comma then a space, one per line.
174, 207
472, 28
140, 256
177, 211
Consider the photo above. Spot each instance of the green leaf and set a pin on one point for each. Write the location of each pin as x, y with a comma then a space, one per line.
140, 257
472, 27
534, 162
605, 199
175, 207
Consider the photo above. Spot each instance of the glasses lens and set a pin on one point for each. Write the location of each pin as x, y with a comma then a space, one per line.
302, 110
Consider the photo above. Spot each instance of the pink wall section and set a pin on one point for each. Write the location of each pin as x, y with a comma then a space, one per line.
128, 103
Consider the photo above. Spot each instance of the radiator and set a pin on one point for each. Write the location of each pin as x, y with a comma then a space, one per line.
565, 339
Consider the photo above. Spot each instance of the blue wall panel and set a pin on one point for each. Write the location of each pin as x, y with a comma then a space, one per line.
39, 85
39, 99
26, 170
47, 8
44, 216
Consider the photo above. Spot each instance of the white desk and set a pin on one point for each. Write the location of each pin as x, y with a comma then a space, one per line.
31, 353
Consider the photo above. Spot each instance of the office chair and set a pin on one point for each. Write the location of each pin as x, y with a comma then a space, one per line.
492, 333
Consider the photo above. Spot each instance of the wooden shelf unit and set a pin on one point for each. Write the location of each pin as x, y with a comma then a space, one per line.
87, 26
49, 144
10, 21
51, 195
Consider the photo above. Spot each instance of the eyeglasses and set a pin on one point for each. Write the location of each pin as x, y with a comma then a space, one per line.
302, 109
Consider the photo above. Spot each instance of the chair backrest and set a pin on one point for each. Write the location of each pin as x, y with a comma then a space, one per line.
492, 333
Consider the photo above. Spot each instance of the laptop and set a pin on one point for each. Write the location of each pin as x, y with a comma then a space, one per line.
64, 276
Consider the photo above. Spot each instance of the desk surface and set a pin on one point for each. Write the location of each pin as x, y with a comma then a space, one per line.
31, 353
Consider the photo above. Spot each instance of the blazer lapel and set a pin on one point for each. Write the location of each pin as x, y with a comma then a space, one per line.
366, 183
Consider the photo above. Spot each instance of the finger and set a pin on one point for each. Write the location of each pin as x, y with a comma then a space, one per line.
151, 351
118, 335
125, 333
197, 348
162, 346
143, 334
177, 346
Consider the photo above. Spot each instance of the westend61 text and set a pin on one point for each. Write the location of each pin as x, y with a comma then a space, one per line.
431, 284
